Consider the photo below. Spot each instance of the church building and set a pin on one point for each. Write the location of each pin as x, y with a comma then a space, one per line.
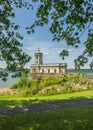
49, 68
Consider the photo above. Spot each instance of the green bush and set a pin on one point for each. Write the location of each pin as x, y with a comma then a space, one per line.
23, 81
68, 82
15, 86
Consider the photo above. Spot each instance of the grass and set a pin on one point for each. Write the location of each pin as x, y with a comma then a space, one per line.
61, 119
17, 100
65, 119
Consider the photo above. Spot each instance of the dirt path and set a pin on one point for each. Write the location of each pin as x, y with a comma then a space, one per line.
46, 107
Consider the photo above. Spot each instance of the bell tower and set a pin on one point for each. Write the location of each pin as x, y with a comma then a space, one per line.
38, 57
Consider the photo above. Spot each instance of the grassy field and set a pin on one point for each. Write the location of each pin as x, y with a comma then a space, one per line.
65, 119
61, 119
74, 86
17, 100
80, 118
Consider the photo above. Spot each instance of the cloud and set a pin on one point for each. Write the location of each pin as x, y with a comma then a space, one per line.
28, 38
50, 51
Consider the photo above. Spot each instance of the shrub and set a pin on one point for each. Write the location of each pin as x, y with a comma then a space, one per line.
69, 83
15, 86
23, 81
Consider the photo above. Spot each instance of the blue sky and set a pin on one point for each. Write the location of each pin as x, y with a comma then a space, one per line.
42, 38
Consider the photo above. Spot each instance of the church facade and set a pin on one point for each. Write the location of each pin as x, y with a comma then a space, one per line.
49, 68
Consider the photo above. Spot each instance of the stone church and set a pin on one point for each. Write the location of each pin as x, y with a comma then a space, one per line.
49, 68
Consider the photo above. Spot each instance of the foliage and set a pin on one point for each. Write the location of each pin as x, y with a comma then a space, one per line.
30, 86
91, 65
25, 86
10, 38
67, 20
50, 81
53, 85
23, 81
3, 75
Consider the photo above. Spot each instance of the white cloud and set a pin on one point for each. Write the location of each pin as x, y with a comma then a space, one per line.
29, 38
50, 51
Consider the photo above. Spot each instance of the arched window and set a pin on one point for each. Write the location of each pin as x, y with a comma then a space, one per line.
55, 70
42, 70
33, 70
48, 70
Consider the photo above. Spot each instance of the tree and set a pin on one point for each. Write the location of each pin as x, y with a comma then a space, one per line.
77, 66
68, 20
10, 39
91, 65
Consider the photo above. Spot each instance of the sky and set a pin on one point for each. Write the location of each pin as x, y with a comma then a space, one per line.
42, 39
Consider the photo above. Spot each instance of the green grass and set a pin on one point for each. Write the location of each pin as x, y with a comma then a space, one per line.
62, 119
17, 100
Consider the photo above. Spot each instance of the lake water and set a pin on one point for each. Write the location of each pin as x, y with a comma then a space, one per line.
10, 81
86, 71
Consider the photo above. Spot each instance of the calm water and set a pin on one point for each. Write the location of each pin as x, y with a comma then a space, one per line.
86, 71
11, 81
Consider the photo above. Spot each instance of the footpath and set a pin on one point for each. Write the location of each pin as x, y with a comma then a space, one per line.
46, 107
